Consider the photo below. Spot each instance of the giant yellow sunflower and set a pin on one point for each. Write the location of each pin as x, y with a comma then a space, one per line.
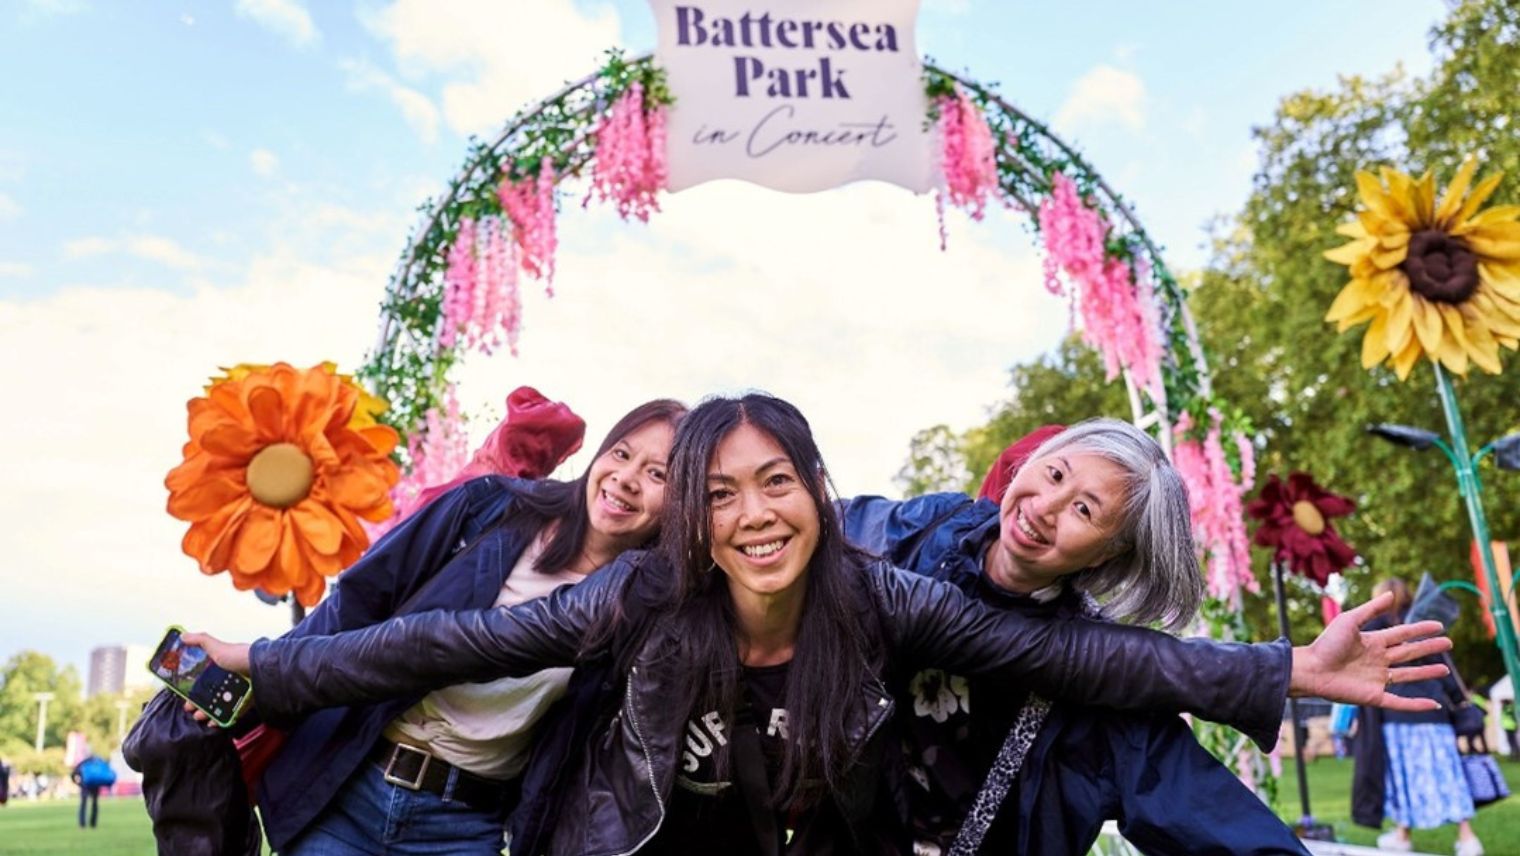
1435, 278
276, 478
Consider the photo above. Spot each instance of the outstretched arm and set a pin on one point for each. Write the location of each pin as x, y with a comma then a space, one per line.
421, 652
1131, 668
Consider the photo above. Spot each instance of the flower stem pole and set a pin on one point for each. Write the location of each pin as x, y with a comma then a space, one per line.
1471, 489
1306, 824
297, 611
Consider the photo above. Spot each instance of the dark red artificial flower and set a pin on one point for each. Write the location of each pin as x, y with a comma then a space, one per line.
1295, 519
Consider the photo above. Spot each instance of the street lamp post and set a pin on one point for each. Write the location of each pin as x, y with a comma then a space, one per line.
1471, 488
42, 699
121, 718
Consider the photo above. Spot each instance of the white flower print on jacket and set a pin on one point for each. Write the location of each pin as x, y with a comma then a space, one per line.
939, 695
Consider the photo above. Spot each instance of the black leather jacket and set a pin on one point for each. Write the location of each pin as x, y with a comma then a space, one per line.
617, 799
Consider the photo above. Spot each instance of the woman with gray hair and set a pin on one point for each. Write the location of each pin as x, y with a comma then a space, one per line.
1068, 516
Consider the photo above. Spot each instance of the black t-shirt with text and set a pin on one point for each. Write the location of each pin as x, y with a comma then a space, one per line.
709, 812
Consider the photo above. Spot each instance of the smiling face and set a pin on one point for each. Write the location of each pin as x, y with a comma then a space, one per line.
764, 521
625, 487
1061, 514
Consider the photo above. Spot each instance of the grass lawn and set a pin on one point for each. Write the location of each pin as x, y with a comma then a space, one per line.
1330, 798
51, 827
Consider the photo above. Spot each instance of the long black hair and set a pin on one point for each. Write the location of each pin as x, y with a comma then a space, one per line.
837, 648
565, 502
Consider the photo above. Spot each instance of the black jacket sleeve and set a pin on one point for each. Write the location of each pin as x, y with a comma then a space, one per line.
1094, 663
415, 654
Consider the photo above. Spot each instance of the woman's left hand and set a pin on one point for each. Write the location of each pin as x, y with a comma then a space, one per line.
1347, 664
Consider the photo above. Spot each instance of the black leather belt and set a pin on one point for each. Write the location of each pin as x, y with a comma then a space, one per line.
420, 770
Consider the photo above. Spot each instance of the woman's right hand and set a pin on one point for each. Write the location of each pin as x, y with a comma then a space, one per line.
232, 656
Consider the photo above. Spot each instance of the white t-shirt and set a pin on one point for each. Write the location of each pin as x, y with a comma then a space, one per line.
487, 728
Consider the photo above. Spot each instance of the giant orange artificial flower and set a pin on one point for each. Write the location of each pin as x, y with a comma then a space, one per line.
366, 412
276, 478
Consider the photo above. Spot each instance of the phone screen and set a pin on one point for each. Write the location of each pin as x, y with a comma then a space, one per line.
188, 670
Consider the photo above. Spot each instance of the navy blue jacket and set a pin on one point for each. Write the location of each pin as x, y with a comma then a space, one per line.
453, 554
1085, 765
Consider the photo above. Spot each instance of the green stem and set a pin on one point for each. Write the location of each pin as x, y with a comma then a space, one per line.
1472, 490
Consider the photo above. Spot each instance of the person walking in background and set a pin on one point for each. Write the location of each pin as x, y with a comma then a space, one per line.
92, 774
5, 782
1407, 766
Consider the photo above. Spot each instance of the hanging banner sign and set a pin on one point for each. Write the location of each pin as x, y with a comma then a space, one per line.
796, 96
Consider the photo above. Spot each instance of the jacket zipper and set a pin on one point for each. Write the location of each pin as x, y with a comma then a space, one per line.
659, 801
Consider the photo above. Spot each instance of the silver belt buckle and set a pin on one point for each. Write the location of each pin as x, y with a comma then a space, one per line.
414, 784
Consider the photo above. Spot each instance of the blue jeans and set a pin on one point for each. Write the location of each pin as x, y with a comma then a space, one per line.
370, 815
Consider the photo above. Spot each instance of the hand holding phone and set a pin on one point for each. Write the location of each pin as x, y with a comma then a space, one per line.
189, 671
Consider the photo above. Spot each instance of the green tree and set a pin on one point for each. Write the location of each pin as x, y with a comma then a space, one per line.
22, 677
936, 463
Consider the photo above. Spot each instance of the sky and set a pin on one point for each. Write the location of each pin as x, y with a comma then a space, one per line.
188, 185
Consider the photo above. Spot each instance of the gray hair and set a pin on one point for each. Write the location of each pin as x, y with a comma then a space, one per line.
1154, 577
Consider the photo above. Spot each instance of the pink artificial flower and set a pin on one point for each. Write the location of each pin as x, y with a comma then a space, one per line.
481, 305
459, 284
1120, 314
1215, 498
629, 168
438, 450
968, 159
529, 204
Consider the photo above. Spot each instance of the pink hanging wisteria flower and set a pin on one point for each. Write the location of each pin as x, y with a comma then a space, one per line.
459, 284
1218, 512
438, 450
1120, 314
481, 305
968, 159
629, 168
529, 203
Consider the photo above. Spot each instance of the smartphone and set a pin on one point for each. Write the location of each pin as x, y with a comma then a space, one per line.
187, 671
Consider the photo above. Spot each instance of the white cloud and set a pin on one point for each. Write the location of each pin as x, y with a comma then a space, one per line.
495, 60
10, 209
216, 140
286, 18
415, 107
154, 248
1101, 96
265, 163
14, 270
187, 19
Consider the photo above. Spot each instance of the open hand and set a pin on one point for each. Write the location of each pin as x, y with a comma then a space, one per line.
1353, 666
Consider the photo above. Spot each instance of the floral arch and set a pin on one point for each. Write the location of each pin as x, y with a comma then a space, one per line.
285, 468
456, 285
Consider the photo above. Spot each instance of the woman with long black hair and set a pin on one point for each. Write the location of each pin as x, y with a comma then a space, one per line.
754, 647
